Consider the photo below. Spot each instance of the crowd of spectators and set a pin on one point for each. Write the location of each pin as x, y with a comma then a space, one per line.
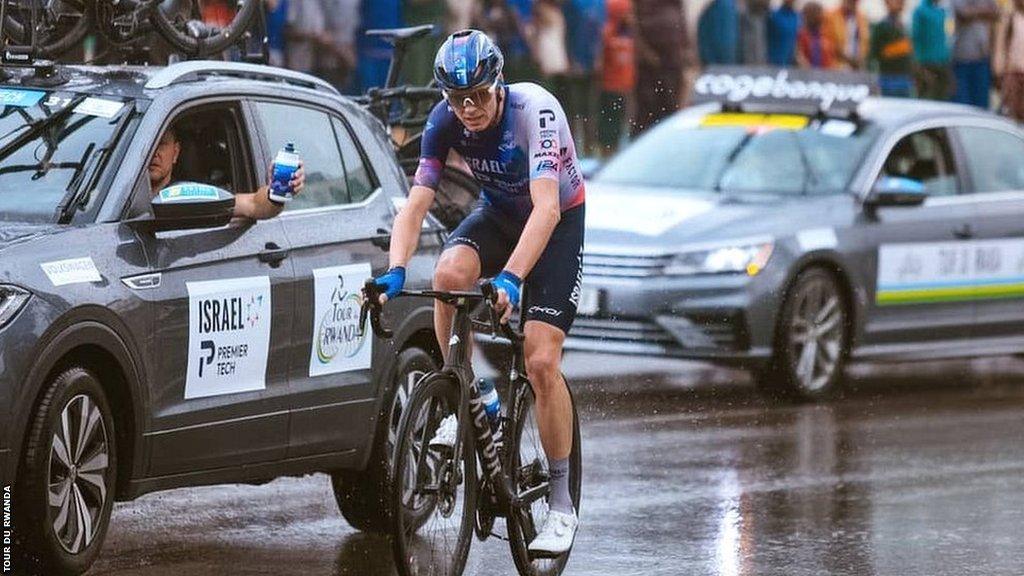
618, 66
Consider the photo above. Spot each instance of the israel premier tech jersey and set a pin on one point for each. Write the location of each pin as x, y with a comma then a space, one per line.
531, 141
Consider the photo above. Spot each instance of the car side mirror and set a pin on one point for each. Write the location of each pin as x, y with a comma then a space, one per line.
190, 205
896, 191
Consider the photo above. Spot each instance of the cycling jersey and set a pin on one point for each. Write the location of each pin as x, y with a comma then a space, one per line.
531, 141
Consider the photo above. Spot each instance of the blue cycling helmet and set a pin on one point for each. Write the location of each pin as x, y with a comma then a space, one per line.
467, 59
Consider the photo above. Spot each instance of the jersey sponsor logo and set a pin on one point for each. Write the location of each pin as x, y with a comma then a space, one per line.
547, 133
548, 154
546, 165
578, 287
547, 144
545, 310
575, 179
487, 166
229, 336
546, 115
508, 142
338, 345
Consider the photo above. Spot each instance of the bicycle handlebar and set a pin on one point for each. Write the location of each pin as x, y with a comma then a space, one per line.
371, 307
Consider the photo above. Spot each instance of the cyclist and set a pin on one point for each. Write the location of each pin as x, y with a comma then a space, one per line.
256, 206
528, 229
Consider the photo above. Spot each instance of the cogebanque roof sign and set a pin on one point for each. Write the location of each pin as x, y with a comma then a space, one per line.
765, 84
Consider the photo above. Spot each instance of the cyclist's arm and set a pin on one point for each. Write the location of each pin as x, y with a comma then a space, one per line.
539, 226
405, 235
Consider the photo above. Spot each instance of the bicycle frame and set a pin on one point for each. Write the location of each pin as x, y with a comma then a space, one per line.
456, 366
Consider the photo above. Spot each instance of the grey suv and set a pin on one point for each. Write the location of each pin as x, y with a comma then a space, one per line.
150, 341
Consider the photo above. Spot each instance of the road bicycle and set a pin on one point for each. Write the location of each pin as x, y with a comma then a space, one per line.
52, 27
441, 497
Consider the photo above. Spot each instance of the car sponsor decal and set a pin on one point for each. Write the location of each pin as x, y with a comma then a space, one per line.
228, 336
337, 344
649, 216
20, 98
817, 239
189, 191
99, 107
923, 273
73, 271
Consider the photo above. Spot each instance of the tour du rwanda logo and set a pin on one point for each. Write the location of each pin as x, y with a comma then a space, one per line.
338, 333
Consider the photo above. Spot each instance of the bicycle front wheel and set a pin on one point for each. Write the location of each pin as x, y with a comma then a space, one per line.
529, 469
185, 24
433, 490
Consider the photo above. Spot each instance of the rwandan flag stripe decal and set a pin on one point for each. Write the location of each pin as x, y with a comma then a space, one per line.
950, 294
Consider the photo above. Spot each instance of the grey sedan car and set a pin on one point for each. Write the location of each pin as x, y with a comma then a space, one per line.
150, 341
788, 242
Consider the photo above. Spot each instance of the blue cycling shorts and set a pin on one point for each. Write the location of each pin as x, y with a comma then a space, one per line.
552, 289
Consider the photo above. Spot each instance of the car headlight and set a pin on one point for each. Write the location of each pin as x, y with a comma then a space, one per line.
12, 299
749, 258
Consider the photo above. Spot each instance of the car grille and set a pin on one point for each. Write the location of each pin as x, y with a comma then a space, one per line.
676, 337
624, 266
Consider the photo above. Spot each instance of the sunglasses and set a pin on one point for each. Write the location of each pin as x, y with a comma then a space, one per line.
478, 97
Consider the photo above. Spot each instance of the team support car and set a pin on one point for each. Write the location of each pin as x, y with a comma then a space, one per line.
787, 235
150, 341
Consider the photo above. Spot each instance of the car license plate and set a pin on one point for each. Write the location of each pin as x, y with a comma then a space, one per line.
590, 302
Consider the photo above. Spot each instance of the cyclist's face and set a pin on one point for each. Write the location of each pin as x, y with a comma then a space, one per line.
475, 108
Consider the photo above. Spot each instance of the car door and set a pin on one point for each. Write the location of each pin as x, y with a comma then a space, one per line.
915, 254
338, 228
993, 155
223, 303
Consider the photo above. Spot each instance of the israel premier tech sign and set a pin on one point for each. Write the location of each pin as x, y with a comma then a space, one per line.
229, 336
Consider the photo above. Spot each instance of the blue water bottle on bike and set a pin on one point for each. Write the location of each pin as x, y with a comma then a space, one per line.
492, 405
285, 164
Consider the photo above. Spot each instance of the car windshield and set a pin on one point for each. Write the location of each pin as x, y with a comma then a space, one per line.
744, 153
49, 141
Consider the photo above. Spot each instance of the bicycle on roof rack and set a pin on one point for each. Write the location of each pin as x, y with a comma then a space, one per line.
440, 496
403, 110
49, 28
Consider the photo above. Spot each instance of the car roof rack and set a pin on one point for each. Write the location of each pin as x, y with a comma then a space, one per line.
195, 70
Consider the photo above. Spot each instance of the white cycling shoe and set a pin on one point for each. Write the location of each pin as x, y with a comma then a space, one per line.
556, 537
445, 435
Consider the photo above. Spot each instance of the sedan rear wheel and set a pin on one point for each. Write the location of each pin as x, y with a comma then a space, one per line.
812, 338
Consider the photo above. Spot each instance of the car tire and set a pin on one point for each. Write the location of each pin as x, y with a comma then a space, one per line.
811, 340
362, 496
72, 444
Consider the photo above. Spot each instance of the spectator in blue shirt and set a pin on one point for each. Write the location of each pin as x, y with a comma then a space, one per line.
718, 33
585, 20
931, 50
783, 24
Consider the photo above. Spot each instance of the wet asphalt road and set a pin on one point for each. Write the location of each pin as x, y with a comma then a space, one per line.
919, 470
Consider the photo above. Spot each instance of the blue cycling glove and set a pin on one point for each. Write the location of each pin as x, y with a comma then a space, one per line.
510, 283
392, 282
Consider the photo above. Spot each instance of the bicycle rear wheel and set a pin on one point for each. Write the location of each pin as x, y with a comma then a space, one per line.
529, 468
182, 24
433, 492
61, 24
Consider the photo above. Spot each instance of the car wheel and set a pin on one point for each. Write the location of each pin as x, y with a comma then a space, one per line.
811, 340
65, 492
362, 495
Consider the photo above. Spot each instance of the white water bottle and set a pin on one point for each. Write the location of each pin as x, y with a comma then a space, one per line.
285, 164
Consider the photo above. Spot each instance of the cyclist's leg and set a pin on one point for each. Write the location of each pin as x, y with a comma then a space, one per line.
553, 287
476, 248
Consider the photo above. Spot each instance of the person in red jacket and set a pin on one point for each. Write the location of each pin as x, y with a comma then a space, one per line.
618, 67
814, 49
